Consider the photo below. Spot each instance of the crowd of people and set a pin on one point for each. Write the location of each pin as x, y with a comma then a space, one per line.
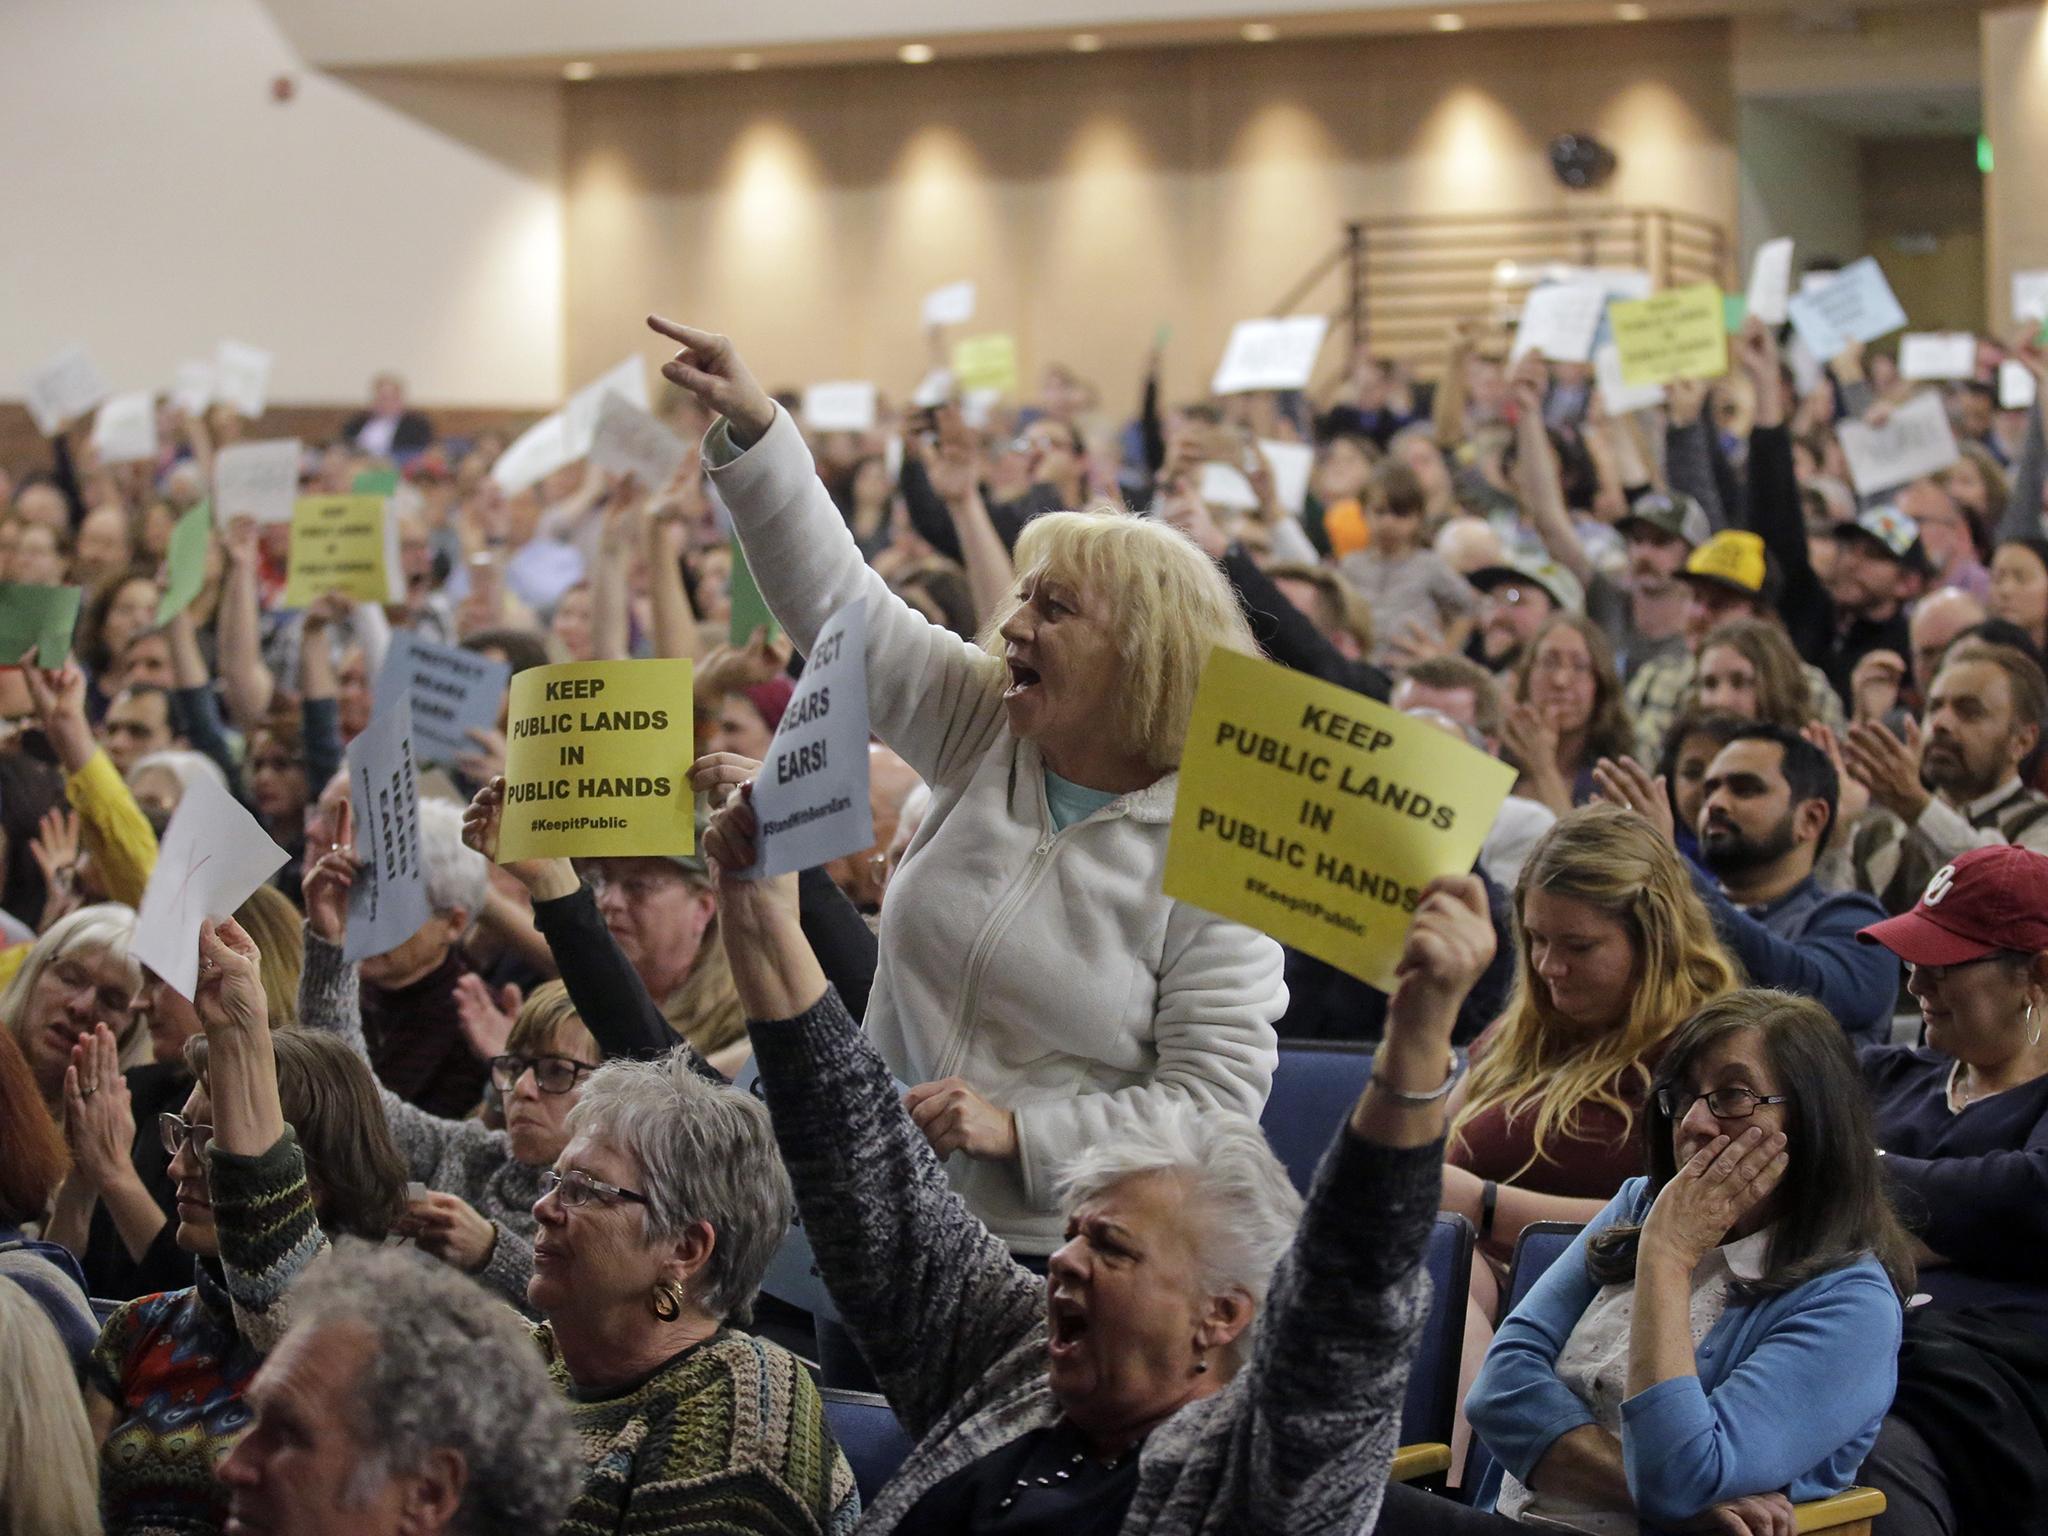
1748, 983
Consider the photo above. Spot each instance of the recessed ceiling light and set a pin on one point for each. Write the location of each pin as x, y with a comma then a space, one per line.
746, 61
915, 53
582, 69
1259, 31
1629, 11
1085, 42
1445, 21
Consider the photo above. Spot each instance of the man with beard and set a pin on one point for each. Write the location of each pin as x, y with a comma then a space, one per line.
1520, 594
1953, 783
1768, 804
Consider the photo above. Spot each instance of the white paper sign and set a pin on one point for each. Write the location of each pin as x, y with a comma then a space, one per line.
1559, 321
64, 389
2030, 296
935, 388
241, 377
533, 455
1225, 485
259, 480
811, 795
978, 407
1914, 441
1614, 282
1937, 355
449, 690
627, 380
192, 388
1292, 464
950, 305
387, 904
842, 406
628, 441
214, 854
1770, 281
1270, 354
1619, 396
1858, 305
124, 431
2016, 388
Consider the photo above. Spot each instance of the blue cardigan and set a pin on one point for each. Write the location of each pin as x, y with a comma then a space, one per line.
1790, 1392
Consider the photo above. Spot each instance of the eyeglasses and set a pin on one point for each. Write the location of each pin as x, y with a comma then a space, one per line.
1722, 1103
554, 1074
637, 886
578, 1188
176, 1133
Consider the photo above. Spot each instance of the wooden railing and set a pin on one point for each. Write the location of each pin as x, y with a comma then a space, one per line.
1399, 283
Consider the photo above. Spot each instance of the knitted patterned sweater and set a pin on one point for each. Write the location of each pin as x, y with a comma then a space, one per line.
175, 1365
728, 1437
464, 1158
1297, 1444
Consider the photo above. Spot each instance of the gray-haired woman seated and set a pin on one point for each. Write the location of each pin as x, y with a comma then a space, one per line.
1204, 1355
654, 1229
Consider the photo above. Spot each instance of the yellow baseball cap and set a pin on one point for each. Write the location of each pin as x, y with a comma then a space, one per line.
1734, 558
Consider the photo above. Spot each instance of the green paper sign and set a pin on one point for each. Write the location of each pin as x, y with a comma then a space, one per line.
375, 482
37, 616
749, 608
1734, 310
185, 564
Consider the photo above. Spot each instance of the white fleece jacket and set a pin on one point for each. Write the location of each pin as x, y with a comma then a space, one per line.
1046, 968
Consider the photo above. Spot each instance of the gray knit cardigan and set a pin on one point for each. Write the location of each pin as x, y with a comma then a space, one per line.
1298, 1443
464, 1158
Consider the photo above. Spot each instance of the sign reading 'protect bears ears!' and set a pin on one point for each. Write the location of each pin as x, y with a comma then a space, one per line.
1318, 816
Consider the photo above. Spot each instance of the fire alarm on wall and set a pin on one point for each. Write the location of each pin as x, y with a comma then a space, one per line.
283, 88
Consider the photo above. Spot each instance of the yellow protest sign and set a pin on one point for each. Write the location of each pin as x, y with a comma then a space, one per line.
1680, 333
342, 544
1318, 816
597, 755
986, 362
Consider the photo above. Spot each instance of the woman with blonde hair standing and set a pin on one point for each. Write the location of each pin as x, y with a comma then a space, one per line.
1616, 952
1035, 986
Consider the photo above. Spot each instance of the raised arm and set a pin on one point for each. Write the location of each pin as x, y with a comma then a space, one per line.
952, 466
1541, 483
2022, 518
932, 696
238, 629
932, 1296
677, 634
196, 711
119, 837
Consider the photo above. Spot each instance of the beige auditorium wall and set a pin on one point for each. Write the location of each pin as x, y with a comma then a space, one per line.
2015, 45
158, 198
1093, 199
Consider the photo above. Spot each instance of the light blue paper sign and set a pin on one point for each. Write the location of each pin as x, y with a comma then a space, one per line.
387, 904
451, 691
811, 794
1858, 305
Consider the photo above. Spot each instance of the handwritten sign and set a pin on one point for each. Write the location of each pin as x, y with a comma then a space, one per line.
1291, 465
1319, 816
450, 691
1559, 321
986, 363
241, 377
185, 562
1856, 304
259, 480
1677, 334
1620, 397
214, 854
63, 390
387, 904
811, 794
2030, 296
192, 385
533, 455
124, 430
950, 305
39, 616
1270, 354
629, 441
2016, 387
627, 379
343, 544
1915, 440
1770, 281
597, 759
846, 405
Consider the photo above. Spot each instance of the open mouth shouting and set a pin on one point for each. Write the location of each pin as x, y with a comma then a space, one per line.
1022, 679
1067, 1325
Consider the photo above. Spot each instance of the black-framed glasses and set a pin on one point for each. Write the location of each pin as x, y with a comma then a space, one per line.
176, 1132
554, 1074
1722, 1103
578, 1188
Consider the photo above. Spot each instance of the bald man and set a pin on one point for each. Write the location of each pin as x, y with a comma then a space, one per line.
1937, 619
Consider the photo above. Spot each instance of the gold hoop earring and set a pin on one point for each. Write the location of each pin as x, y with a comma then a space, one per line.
667, 1301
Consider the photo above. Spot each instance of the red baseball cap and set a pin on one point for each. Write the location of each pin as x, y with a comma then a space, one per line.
1988, 900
